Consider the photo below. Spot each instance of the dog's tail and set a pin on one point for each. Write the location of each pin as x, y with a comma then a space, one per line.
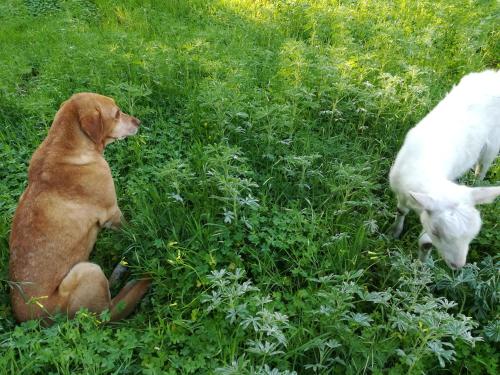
128, 298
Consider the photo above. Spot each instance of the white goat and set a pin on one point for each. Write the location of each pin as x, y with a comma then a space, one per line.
463, 130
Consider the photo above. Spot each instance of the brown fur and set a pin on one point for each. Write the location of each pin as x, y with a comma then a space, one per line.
69, 198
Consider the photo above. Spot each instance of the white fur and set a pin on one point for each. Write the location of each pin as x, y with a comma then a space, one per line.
123, 129
461, 131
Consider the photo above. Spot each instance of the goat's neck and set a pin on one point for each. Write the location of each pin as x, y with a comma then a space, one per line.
445, 189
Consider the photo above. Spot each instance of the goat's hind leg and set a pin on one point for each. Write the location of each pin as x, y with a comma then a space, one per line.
488, 155
397, 226
424, 246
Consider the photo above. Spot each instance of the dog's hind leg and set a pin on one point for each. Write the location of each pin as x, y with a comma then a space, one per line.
85, 285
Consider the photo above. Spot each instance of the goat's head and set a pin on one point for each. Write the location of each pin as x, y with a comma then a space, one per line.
452, 223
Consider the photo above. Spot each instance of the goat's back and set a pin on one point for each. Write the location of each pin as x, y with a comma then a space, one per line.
449, 140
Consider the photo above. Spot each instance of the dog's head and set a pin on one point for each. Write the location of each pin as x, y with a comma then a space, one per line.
453, 223
101, 119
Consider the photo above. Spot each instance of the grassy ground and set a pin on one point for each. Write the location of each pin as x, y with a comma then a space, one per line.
256, 191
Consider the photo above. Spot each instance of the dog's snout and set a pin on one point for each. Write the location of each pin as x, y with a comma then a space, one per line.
132, 120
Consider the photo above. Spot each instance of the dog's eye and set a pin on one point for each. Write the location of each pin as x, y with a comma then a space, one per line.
117, 113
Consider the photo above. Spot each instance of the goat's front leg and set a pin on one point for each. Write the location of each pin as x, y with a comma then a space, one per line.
424, 246
397, 226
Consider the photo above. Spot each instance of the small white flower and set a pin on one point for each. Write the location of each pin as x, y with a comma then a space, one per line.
176, 197
262, 300
217, 274
228, 216
286, 141
281, 318
250, 202
371, 225
266, 348
254, 321
237, 274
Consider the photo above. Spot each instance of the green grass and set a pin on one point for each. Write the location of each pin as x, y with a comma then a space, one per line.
256, 191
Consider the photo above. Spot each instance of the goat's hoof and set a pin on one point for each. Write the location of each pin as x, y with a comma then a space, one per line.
424, 251
395, 230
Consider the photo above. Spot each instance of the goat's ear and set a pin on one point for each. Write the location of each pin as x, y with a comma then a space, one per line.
425, 201
484, 194
91, 124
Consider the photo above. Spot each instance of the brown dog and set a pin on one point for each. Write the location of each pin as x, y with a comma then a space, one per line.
69, 198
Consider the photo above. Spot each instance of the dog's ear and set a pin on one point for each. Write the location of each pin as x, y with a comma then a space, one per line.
91, 124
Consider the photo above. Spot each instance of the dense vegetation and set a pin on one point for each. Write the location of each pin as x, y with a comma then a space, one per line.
256, 191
